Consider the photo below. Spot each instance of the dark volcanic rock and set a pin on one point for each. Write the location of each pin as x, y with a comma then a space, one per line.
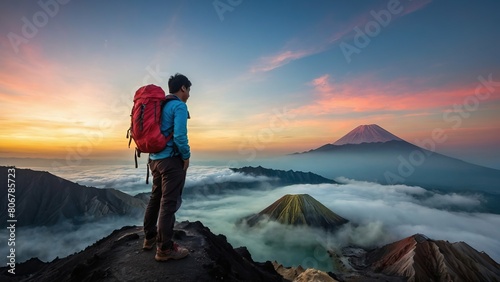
119, 257
45, 199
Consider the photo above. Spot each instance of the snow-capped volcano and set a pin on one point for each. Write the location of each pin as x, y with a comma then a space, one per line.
371, 133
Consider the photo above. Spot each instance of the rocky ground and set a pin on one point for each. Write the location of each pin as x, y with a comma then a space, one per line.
119, 257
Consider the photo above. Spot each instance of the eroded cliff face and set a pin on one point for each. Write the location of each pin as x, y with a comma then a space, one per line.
419, 258
96, 208
43, 199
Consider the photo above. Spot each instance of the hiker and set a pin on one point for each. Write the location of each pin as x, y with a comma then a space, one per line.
168, 168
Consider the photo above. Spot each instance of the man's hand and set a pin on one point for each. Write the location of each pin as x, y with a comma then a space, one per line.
186, 164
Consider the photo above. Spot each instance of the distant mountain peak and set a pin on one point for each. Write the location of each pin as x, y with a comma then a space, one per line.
284, 177
300, 209
370, 133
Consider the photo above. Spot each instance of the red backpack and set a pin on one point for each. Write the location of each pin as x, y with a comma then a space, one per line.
145, 124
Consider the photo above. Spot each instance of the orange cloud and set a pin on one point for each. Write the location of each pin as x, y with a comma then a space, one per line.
47, 106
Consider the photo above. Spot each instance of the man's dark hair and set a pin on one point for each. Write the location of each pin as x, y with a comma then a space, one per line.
175, 82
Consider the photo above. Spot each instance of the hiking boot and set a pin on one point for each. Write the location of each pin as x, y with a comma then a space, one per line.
177, 252
148, 243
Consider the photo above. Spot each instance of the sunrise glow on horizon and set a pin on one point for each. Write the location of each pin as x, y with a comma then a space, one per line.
278, 77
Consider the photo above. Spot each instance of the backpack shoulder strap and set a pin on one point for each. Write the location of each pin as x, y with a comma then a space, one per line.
168, 98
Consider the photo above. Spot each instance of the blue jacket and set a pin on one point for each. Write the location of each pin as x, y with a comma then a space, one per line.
174, 118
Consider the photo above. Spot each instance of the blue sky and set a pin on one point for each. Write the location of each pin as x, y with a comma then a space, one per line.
269, 74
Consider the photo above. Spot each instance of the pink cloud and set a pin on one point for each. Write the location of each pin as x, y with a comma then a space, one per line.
414, 6
268, 63
363, 19
44, 99
26, 71
366, 94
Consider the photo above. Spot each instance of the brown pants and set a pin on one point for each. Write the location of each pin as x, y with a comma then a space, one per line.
168, 182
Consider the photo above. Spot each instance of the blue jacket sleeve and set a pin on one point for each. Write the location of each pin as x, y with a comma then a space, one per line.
180, 130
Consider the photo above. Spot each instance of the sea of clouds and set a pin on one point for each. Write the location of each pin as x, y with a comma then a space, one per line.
378, 215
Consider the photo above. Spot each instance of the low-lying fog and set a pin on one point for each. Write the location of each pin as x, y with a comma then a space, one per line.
378, 214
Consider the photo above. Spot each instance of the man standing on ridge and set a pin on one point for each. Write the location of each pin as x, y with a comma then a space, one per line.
168, 168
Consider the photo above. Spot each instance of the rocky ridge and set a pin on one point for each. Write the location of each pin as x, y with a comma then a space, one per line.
119, 257
43, 199
273, 178
282, 177
418, 258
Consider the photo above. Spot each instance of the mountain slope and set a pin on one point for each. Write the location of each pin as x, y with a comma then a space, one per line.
395, 162
382, 160
45, 199
367, 134
421, 259
299, 210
